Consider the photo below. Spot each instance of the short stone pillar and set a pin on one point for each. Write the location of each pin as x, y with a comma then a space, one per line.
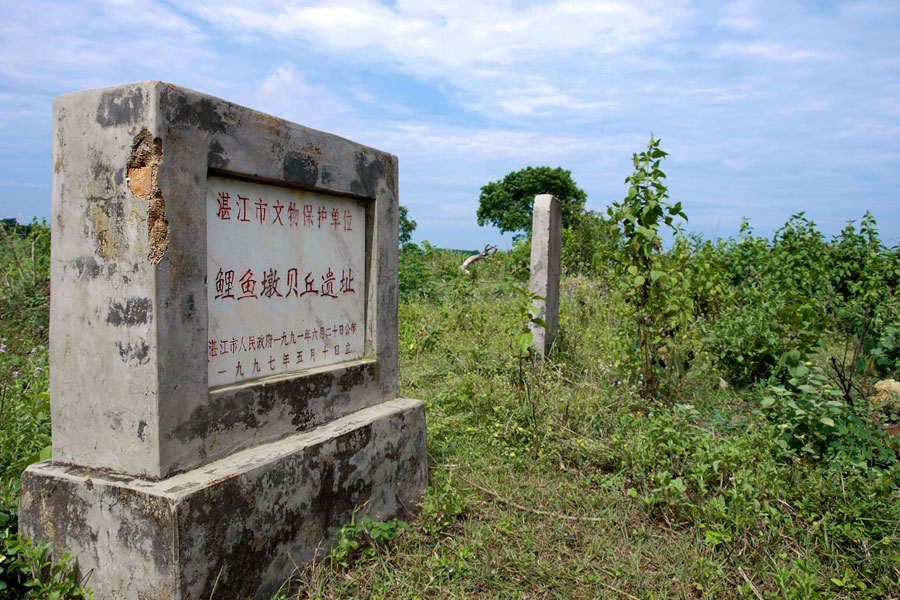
546, 245
224, 368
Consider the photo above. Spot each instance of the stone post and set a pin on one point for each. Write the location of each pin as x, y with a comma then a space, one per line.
546, 244
224, 381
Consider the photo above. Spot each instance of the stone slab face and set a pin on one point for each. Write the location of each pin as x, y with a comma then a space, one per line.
241, 519
288, 280
546, 247
223, 344
138, 242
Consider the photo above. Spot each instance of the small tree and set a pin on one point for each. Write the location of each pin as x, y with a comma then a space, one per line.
407, 226
648, 284
508, 203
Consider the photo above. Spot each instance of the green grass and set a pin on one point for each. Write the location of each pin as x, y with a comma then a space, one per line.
24, 316
24, 375
557, 479
575, 487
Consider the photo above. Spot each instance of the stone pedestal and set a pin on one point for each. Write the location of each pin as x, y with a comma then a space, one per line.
224, 371
240, 523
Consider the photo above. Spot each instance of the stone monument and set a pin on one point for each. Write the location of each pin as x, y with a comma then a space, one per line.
546, 245
224, 369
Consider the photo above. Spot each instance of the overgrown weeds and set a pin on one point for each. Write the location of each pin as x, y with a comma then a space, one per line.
770, 485
759, 466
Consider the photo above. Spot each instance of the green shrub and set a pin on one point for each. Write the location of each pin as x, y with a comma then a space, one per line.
650, 283
517, 262
24, 296
864, 274
27, 571
814, 420
24, 414
589, 245
704, 265
750, 337
361, 539
416, 279
883, 352
776, 304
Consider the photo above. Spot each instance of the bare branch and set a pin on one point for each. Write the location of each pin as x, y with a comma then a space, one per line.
489, 250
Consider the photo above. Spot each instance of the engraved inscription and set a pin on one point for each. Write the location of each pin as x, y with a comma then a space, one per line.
285, 280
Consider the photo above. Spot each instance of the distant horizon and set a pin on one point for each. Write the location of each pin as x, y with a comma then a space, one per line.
767, 108
667, 235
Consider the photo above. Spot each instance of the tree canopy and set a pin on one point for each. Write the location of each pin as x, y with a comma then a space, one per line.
508, 203
407, 226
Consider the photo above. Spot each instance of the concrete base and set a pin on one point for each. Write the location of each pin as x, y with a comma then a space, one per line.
240, 523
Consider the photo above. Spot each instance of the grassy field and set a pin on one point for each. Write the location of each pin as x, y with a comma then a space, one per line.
565, 478
566, 483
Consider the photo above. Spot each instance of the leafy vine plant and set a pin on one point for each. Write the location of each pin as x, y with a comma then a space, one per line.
527, 315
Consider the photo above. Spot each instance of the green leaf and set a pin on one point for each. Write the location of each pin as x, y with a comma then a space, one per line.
524, 341
654, 275
639, 281
827, 421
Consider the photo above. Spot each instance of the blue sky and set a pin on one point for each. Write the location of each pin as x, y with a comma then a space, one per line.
766, 108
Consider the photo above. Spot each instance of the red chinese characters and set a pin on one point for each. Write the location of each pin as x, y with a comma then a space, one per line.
242, 209
271, 212
270, 285
224, 284
248, 285
285, 279
224, 211
331, 336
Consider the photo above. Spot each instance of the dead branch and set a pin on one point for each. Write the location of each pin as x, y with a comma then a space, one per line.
489, 250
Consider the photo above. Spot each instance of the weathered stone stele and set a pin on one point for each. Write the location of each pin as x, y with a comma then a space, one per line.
546, 248
224, 381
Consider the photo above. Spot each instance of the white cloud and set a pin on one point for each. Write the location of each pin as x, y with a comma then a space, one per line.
466, 91
776, 51
150, 15
485, 50
737, 22
454, 33
45, 41
738, 15
807, 106
286, 93
720, 94
511, 144
544, 99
